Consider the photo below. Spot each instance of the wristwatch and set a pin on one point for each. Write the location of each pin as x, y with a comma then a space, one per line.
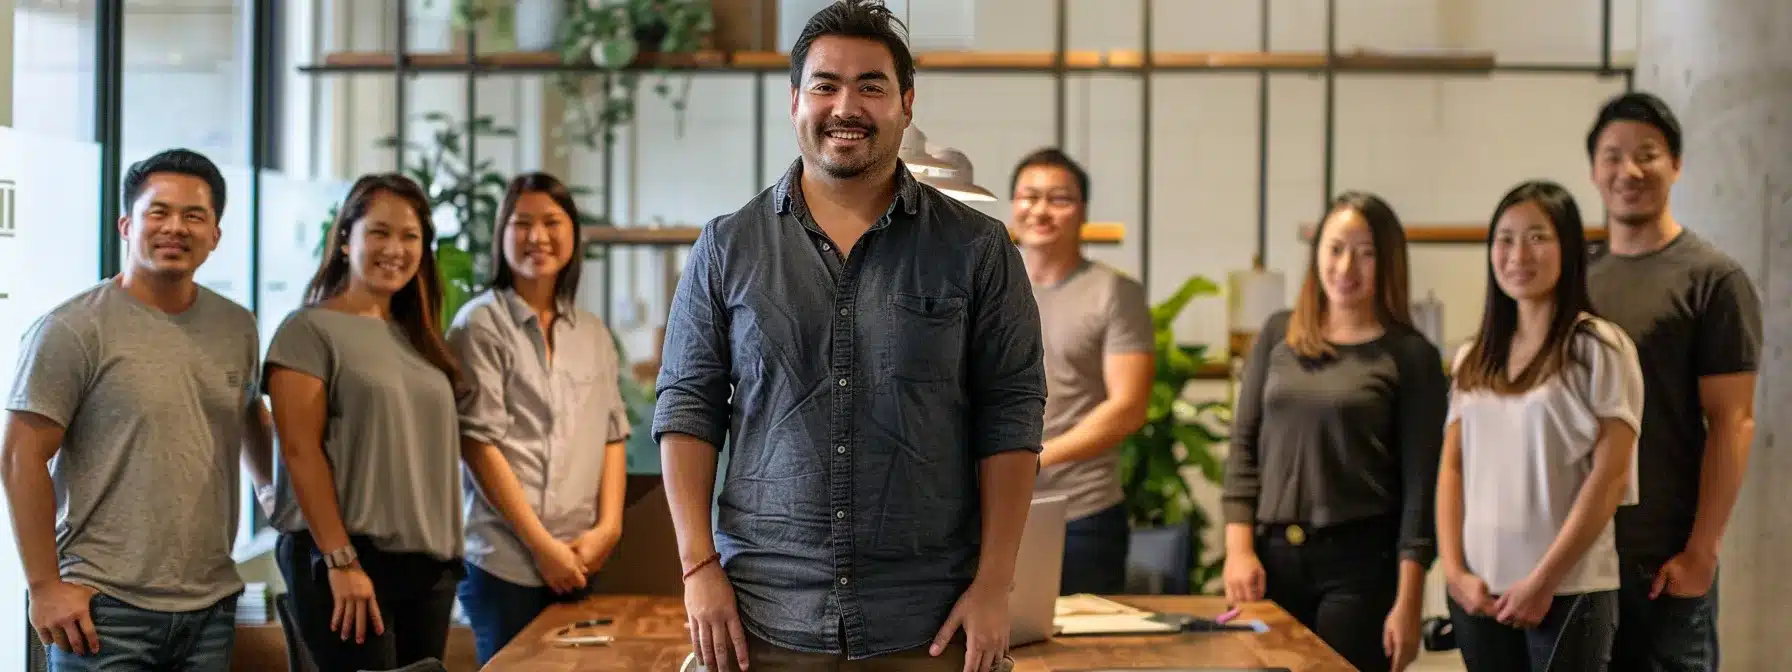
341, 557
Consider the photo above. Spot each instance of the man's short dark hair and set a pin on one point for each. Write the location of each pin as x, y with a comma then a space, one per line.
1052, 156
1640, 107
862, 19
178, 161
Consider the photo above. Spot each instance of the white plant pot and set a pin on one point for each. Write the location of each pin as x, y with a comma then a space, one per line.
537, 24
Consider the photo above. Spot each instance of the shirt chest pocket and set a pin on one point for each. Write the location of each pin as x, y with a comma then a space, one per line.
926, 337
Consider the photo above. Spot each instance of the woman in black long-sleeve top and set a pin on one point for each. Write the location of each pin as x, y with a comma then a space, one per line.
1335, 447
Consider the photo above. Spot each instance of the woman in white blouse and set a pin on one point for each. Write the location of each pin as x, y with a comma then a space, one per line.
1539, 452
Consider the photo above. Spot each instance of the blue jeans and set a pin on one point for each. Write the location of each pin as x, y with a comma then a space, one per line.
1666, 634
498, 609
1095, 549
1575, 636
134, 639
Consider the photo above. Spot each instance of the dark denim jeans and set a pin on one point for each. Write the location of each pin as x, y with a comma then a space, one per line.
1666, 634
133, 639
1575, 636
1095, 549
498, 609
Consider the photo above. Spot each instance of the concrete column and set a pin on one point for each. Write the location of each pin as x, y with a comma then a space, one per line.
1725, 66
7, 7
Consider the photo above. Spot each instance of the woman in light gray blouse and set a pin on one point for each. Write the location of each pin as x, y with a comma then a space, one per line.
1539, 452
543, 425
367, 488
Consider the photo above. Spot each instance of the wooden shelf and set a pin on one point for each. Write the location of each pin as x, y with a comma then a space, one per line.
1359, 60
1214, 371
649, 236
1099, 233
1458, 234
1095, 233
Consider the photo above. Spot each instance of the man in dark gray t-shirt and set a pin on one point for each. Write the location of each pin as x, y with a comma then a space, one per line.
1696, 321
143, 390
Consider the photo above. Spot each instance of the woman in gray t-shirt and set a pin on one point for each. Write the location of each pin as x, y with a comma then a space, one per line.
367, 487
1539, 452
542, 425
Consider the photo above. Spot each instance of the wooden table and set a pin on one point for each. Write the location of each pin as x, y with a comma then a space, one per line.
650, 637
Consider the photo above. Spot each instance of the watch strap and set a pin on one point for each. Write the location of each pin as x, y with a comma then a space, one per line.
341, 557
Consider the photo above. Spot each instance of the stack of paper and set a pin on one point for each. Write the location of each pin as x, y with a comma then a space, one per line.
1084, 614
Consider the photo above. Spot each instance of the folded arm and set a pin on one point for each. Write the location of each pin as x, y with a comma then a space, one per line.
1128, 380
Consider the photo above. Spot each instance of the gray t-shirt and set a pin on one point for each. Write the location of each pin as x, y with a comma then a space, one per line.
392, 437
1692, 312
1093, 313
1526, 456
154, 406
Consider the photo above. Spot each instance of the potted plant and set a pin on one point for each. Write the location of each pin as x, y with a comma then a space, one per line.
614, 35
1160, 503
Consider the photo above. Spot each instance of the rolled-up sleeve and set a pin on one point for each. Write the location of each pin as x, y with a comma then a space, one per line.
1424, 403
694, 382
484, 359
1007, 355
616, 428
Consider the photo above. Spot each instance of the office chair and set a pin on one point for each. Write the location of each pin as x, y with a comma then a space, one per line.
1158, 559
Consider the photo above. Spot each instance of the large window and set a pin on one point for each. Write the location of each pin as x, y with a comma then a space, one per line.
49, 206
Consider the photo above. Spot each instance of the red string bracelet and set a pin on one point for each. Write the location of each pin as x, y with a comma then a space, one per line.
712, 558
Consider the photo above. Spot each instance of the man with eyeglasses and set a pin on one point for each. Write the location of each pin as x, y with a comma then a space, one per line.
1099, 359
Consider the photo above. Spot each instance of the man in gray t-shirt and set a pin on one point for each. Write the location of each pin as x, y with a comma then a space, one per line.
1099, 360
132, 404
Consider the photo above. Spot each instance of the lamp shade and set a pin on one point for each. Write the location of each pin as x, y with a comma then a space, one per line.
956, 179
913, 151
1251, 297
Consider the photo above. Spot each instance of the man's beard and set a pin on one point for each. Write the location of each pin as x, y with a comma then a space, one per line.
848, 166
846, 170
1638, 217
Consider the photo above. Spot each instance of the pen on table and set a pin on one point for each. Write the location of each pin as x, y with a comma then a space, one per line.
1230, 613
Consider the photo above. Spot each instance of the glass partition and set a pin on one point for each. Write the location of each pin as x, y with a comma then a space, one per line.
49, 248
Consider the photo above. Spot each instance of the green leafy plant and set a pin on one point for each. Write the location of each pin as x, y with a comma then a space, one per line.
613, 35
1153, 469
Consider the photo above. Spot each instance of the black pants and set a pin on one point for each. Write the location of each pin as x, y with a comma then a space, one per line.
1575, 636
1340, 582
1095, 549
415, 594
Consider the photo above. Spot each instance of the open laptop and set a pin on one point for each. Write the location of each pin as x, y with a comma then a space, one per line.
1038, 569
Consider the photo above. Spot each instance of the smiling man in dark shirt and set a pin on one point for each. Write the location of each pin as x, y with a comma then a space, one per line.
870, 350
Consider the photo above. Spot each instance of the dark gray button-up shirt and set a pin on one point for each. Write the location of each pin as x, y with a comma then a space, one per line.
858, 396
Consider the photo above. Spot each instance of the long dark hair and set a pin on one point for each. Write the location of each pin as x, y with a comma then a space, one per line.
418, 304
1485, 364
566, 285
1306, 326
